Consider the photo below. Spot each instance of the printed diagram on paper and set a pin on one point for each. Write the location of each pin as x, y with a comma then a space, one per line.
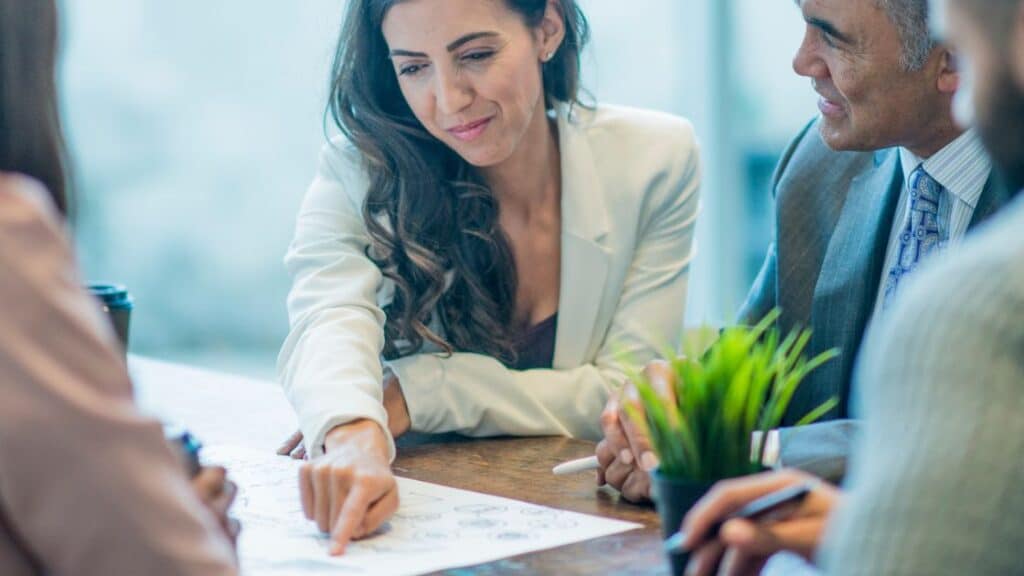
435, 527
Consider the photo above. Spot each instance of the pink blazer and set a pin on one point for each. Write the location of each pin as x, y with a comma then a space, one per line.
87, 484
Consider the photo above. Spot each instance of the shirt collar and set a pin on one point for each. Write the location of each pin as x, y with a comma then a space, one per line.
962, 167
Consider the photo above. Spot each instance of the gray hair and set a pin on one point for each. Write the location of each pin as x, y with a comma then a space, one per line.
911, 19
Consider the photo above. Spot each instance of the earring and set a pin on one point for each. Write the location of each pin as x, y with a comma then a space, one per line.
549, 56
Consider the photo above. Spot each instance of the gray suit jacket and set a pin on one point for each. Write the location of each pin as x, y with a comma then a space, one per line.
834, 212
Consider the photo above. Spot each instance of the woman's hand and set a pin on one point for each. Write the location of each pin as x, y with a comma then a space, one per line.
293, 447
398, 420
394, 403
743, 546
218, 494
625, 455
350, 490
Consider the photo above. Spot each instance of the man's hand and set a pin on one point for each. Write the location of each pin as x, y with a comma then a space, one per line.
350, 490
218, 493
744, 546
625, 455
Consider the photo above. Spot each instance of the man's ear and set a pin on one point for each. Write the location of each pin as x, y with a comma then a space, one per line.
949, 73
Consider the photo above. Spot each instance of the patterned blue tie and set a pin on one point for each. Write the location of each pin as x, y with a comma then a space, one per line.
920, 237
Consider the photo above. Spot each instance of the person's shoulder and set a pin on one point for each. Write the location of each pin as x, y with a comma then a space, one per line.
341, 179
626, 127
341, 160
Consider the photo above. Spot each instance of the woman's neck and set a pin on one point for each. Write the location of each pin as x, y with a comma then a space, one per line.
531, 177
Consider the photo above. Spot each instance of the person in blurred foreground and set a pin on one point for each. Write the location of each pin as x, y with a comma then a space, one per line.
935, 481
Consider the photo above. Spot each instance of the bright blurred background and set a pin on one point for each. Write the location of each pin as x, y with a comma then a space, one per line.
194, 128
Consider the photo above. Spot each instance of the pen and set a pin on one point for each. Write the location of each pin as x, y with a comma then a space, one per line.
752, 511
187, 447
574, 466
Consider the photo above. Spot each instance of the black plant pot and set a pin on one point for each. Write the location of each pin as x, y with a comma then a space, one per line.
674, 497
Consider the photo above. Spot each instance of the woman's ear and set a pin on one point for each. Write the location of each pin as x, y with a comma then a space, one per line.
551, 31
949, 73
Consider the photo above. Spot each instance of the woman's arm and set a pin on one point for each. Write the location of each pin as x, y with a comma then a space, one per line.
477, 395
330, 363
87, 483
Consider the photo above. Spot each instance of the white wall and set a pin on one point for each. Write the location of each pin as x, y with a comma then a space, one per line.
195, 128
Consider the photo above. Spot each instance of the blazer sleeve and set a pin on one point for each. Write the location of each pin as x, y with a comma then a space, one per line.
330, 364
477, 395
87, 484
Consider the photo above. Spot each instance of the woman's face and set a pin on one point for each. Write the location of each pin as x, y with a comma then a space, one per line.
470, 71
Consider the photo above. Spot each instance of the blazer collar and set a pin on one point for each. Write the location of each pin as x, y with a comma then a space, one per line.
584, 211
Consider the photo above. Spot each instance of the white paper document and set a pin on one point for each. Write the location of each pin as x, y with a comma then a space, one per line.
435, 528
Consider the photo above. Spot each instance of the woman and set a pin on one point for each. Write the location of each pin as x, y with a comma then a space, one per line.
496, 242
87, 484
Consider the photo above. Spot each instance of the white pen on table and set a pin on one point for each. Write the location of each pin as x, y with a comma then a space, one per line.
574, 466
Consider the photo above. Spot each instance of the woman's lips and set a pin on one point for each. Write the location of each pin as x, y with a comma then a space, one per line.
471, 131
830, 108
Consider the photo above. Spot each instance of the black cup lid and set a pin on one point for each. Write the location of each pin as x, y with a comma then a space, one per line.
110, 294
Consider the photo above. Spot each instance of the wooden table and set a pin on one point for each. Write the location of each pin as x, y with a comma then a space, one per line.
224, 409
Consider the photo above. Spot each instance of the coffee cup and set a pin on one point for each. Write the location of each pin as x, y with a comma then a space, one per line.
117, 304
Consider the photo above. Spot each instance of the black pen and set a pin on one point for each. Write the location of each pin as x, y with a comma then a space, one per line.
752, 511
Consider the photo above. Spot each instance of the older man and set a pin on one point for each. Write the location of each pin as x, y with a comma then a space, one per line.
880, 181
935, 483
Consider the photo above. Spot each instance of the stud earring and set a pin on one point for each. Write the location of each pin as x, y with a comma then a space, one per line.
549, 56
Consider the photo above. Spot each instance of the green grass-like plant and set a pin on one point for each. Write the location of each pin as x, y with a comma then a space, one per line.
702, 429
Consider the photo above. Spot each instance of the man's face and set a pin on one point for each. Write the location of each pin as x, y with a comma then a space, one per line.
852, 52
998, 98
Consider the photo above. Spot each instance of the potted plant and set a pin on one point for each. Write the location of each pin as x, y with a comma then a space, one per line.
702, 425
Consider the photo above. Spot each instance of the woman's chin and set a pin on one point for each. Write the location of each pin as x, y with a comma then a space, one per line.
481, 156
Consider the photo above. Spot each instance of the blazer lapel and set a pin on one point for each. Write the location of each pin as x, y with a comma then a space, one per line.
585, 260
850, 275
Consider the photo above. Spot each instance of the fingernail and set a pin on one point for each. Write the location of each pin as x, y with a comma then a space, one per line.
626, 456
649, 461
336, 549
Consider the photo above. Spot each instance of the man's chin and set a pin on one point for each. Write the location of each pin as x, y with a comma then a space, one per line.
840, 136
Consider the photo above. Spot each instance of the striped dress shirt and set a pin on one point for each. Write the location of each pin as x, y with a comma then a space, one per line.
962, 168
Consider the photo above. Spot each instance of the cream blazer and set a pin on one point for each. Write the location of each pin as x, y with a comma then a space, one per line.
630, 199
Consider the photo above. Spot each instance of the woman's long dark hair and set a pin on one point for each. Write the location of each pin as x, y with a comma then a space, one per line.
432, 220
30, 133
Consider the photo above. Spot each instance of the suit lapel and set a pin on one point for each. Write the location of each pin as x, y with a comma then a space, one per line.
585, 260
851, 271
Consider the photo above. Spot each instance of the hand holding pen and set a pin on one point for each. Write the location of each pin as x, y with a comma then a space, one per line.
791, 516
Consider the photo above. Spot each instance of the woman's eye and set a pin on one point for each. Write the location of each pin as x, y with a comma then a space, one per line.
478, 56
410, 70
828, 39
